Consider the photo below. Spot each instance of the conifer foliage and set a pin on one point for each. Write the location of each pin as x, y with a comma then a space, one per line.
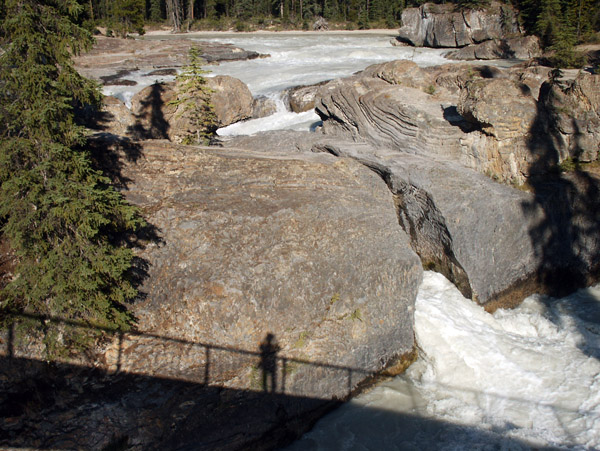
194, 100
64, 221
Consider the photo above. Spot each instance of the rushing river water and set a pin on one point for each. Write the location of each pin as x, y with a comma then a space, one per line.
519, 379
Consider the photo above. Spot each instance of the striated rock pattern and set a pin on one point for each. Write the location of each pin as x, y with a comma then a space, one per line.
402, 118
433, 25
423, 130
488, 119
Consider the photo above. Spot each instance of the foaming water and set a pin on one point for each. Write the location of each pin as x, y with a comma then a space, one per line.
304, 59
294, 60
518, 379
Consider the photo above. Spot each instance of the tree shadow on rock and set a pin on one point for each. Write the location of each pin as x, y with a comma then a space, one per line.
150, 122
566, 210
110, 154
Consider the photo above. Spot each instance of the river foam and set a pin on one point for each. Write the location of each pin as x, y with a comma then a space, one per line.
518, 379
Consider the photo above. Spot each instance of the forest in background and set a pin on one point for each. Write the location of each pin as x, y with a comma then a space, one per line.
574, 20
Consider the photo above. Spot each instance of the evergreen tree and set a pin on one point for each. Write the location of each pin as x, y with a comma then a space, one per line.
61, 216
156, 11
194, 98
128, 16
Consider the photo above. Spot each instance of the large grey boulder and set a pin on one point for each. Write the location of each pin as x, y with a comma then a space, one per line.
159, 115
433, 25
276, 284
257, 243
302, 98
501, 107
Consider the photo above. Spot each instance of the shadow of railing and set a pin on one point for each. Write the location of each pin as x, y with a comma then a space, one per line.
63, 405
201, 360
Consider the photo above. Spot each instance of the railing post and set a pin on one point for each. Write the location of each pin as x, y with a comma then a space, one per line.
207, 365
283, 374
11, 339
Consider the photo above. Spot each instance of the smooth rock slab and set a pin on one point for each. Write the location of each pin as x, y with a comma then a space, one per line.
305, 247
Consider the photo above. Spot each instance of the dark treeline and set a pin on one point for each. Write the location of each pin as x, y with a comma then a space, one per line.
182, 14
559, 23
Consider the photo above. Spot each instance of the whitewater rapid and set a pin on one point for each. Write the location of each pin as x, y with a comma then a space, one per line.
526, 378
292, 59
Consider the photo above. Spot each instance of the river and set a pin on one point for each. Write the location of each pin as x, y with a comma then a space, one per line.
526, 378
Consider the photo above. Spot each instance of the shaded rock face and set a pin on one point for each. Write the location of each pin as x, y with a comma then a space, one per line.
157, 117
433, 25
525, 47
572, 117
497, 244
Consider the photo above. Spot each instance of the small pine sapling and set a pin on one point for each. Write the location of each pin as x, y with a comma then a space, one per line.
194, 100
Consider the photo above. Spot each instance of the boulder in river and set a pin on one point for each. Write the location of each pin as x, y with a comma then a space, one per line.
158, 117
434, 25
524, 47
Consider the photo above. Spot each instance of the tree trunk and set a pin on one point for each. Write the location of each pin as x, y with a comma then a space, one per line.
174, 14
190, 12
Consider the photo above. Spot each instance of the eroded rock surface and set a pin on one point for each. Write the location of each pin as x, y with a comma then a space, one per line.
487, 118
425, 130
433, 25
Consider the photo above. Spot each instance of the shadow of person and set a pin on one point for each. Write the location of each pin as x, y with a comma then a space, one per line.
268, 363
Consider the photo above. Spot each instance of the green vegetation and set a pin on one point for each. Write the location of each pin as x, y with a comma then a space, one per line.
561, 24
127, 16
194, 99
302, 339
356, 315
430, 89
65, 222
247, 15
